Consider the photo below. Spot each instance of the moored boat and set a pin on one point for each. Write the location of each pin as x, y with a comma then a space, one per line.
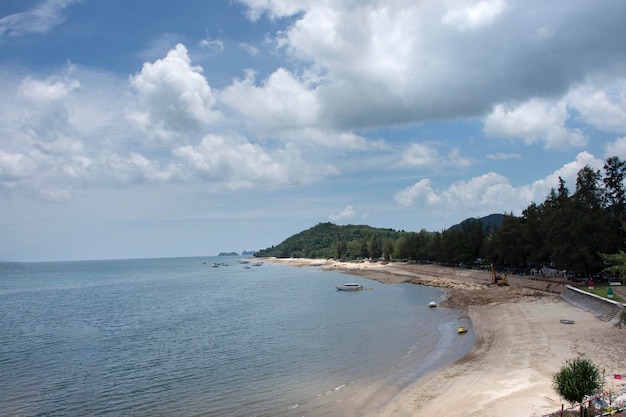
432, 304
350, 286
462, 330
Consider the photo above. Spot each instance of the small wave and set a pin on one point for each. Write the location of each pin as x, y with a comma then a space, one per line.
291, 407
340, 387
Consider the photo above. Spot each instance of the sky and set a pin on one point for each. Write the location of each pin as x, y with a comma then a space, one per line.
133, 129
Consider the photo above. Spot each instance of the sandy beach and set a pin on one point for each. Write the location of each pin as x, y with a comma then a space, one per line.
520, 344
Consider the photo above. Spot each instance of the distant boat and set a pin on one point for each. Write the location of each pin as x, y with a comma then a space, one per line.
462, 330
351, 286
215, 265
432, 304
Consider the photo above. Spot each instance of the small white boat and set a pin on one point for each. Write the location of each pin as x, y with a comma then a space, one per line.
350, 286
215, 265
432, 304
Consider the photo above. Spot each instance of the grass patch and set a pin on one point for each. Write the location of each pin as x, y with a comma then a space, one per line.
601, 290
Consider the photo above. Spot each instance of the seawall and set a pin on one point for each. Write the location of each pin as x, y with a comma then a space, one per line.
602, 308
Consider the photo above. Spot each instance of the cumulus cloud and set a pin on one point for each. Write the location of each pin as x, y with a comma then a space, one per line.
419, 155
616, 148
275, 8
602, 105
535, 121
424, 155
174, 98
37, 20
473, 15
45, 114
282, 102
232, 163
345, 214
396, 61
286, 107
491, 192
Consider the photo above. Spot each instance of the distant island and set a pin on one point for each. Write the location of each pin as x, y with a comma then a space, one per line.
228, 254
248, 253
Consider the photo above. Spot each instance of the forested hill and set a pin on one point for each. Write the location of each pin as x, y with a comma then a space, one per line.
327, 240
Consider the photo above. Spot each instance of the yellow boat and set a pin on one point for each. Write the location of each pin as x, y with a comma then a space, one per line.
462, 330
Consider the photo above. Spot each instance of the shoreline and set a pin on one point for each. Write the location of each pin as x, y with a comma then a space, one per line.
520, 344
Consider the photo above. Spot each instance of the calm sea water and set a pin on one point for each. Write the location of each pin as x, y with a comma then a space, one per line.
178, 337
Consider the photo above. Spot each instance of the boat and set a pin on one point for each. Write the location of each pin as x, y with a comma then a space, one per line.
215, 265
567, 321
462, 330
432, 304
350, 286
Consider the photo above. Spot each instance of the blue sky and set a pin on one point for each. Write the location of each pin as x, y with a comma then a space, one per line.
148, 129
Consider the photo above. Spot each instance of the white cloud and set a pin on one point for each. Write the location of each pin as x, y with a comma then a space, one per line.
491, 192
174, 98
472, 16
601, 105
38, 20
232, 163
135, 168
420, 193
249, 49
419, 155
422, 155
214, 45
535, 121
397, 61
503, 156
282, 102
14, 166
275, 8
616, 148
45, 116
345, 214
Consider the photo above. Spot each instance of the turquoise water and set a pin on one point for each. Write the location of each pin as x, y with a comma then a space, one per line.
177, 337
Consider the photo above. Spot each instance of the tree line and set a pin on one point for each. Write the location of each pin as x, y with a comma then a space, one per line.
573, 231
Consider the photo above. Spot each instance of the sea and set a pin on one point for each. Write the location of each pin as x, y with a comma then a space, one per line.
182, 337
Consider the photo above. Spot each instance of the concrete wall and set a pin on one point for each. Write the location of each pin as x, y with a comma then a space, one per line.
601, 307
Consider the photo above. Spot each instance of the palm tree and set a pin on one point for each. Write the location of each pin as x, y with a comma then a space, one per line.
577, 379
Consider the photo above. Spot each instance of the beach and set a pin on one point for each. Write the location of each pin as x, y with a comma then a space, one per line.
520, 344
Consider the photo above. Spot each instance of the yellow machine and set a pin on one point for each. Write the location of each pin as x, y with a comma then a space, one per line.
497, 279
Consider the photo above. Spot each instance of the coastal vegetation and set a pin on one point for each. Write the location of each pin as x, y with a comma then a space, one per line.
577, 379
580, 232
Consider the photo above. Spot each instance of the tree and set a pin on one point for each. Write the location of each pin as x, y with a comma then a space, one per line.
375, 248
614, 190
388, 249
577, 379
617, 262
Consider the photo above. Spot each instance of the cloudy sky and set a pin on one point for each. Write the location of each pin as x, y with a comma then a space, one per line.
148, 129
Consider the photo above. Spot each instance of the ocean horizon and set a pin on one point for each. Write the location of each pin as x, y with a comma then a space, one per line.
182, 337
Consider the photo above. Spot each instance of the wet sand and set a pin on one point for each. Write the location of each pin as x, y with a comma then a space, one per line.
520, 344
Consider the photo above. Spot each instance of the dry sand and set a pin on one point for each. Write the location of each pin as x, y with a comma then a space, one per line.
520, 344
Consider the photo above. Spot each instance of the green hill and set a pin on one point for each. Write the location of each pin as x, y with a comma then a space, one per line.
328, 240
